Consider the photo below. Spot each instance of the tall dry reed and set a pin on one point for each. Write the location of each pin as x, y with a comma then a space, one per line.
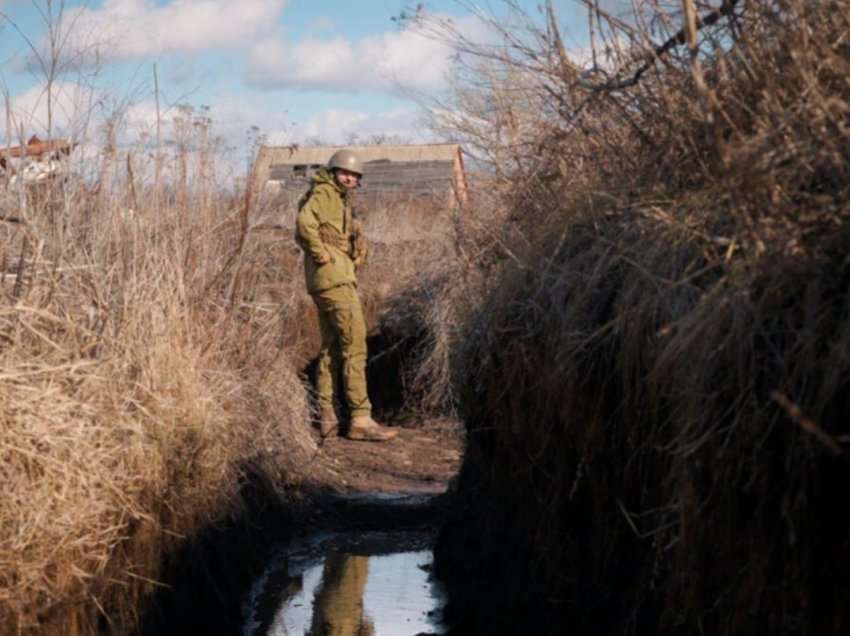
139, 382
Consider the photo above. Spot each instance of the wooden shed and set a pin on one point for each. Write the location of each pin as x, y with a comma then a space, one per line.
390, 173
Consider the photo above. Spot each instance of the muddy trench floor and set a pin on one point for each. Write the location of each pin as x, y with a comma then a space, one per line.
349, 486
421, 460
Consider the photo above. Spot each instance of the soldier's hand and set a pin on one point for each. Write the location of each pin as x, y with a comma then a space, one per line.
323, 259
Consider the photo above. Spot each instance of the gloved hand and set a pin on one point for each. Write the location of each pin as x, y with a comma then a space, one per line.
323, 259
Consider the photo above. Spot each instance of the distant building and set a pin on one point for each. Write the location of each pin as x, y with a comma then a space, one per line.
390, 173
36, 161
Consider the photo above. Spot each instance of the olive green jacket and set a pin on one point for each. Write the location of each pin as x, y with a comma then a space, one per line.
325, 205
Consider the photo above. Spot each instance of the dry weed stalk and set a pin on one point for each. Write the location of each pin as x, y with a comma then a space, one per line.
679, 234
138, 381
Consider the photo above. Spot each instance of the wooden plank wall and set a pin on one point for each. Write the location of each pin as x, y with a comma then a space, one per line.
380, 178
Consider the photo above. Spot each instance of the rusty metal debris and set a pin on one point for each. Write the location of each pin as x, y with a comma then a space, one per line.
36, 147
35, 161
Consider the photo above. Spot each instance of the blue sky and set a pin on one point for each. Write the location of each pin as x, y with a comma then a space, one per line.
295, 69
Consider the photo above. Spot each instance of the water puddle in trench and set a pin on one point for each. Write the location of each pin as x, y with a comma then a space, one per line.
349, 584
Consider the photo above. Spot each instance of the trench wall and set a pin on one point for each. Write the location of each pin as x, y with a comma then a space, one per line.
654, 442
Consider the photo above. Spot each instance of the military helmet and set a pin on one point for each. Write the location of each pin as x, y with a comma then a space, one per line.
346, 160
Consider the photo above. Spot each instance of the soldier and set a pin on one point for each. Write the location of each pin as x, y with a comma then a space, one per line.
333, 250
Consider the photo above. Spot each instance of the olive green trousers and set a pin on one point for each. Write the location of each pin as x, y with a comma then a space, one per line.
338, 605
343, 352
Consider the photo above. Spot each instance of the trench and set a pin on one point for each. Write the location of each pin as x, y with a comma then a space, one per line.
344, 564
323, 561
406, 547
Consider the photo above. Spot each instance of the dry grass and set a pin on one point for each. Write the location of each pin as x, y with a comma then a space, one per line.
152, 343
428, 307
655, 385
139, 382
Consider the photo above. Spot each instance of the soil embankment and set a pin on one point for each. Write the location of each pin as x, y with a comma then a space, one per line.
420, 460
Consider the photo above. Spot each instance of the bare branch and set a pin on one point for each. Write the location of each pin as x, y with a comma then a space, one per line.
681, 37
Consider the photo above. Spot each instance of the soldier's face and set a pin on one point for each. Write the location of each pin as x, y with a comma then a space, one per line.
346, 178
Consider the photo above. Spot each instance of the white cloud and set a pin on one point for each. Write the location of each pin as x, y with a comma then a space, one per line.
80, 114
135, 28
332, 125
232, 116
339, 126
401, 59
68, 111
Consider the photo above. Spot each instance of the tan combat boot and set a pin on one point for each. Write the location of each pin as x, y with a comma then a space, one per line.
364, 428
328, 423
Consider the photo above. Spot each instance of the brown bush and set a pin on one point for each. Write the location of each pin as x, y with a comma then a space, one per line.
655, 384
140, 382
421, 320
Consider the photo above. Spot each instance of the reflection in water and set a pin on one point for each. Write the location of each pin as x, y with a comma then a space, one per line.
334, 588
338, 607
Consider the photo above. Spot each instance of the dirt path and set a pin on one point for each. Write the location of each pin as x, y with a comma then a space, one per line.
420, 460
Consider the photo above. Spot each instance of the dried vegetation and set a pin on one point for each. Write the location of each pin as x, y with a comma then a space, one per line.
154, 333
142, 377
655, 385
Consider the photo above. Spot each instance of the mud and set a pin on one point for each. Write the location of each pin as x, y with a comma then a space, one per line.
488, 568
348, 488
201, 585
422, 459
353, 488
376, 583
